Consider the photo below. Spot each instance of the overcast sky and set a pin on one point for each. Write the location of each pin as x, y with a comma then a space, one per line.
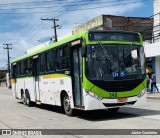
21, 24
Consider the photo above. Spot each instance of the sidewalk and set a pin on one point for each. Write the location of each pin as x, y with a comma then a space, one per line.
5, 88
153, 95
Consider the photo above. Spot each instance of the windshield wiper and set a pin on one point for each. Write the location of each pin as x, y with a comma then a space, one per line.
104, 51
126, 54
106, 54
128, 51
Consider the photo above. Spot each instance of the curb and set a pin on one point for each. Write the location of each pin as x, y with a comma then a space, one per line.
154, 97
5, 88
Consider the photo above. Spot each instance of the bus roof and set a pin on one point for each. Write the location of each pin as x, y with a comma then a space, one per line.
65, 40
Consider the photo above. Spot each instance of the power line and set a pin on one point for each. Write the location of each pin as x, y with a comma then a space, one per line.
69, 4
81, 4
36, 26
24, 3
72, 10
77, 4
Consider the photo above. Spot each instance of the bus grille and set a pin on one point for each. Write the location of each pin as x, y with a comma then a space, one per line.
118, 104
118, 86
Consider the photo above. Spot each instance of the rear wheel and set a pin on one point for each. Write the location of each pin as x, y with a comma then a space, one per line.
67, 105
23, 98
28, 100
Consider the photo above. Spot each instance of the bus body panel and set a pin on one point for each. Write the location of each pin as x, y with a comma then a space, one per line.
93, 104
141, 100
20, 87
50, 89
13, 83
30, 86
46, 87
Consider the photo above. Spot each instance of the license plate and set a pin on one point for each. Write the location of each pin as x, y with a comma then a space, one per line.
122, 100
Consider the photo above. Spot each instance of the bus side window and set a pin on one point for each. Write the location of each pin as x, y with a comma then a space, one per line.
46, 62
58, 65
14, 71
62, 58
66, 63
66, 57
25, 67
42, 63
29, 66
22, 68
19, 69
58, 57
52, 60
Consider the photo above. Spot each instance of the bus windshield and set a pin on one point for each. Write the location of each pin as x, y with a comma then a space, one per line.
124, 62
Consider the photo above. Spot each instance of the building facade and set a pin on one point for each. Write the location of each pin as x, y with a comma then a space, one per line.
156, 29
111, 22
152, 49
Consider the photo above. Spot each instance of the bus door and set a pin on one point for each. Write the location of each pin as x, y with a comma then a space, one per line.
77, 76
36, 78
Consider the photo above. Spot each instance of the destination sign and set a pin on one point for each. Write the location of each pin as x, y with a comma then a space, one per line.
114, 36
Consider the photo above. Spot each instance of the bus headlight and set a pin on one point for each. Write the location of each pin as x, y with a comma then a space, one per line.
93, 95
141, 93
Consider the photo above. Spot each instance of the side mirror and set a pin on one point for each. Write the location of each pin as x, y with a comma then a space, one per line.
84, 51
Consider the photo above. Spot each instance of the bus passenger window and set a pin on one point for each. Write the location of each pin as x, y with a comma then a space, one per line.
51, 66
47, 58
19, 69
29, 67
42, 63
52, 60
66, 66
14, 71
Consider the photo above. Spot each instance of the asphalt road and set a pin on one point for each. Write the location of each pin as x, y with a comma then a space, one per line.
15, 115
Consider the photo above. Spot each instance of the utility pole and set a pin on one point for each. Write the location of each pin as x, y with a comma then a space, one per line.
9, 69
55, 26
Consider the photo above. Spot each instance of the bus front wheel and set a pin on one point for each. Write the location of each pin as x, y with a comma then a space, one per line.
67, 105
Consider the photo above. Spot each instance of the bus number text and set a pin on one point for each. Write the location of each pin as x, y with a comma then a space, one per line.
113, 95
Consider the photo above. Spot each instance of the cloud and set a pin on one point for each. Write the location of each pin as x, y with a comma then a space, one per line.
23, 30
85, 15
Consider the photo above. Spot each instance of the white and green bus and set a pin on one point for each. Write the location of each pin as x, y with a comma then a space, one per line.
89, 70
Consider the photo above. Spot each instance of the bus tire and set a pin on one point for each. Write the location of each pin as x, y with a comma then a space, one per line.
23, 98
67, 105
28, 100
113, 110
